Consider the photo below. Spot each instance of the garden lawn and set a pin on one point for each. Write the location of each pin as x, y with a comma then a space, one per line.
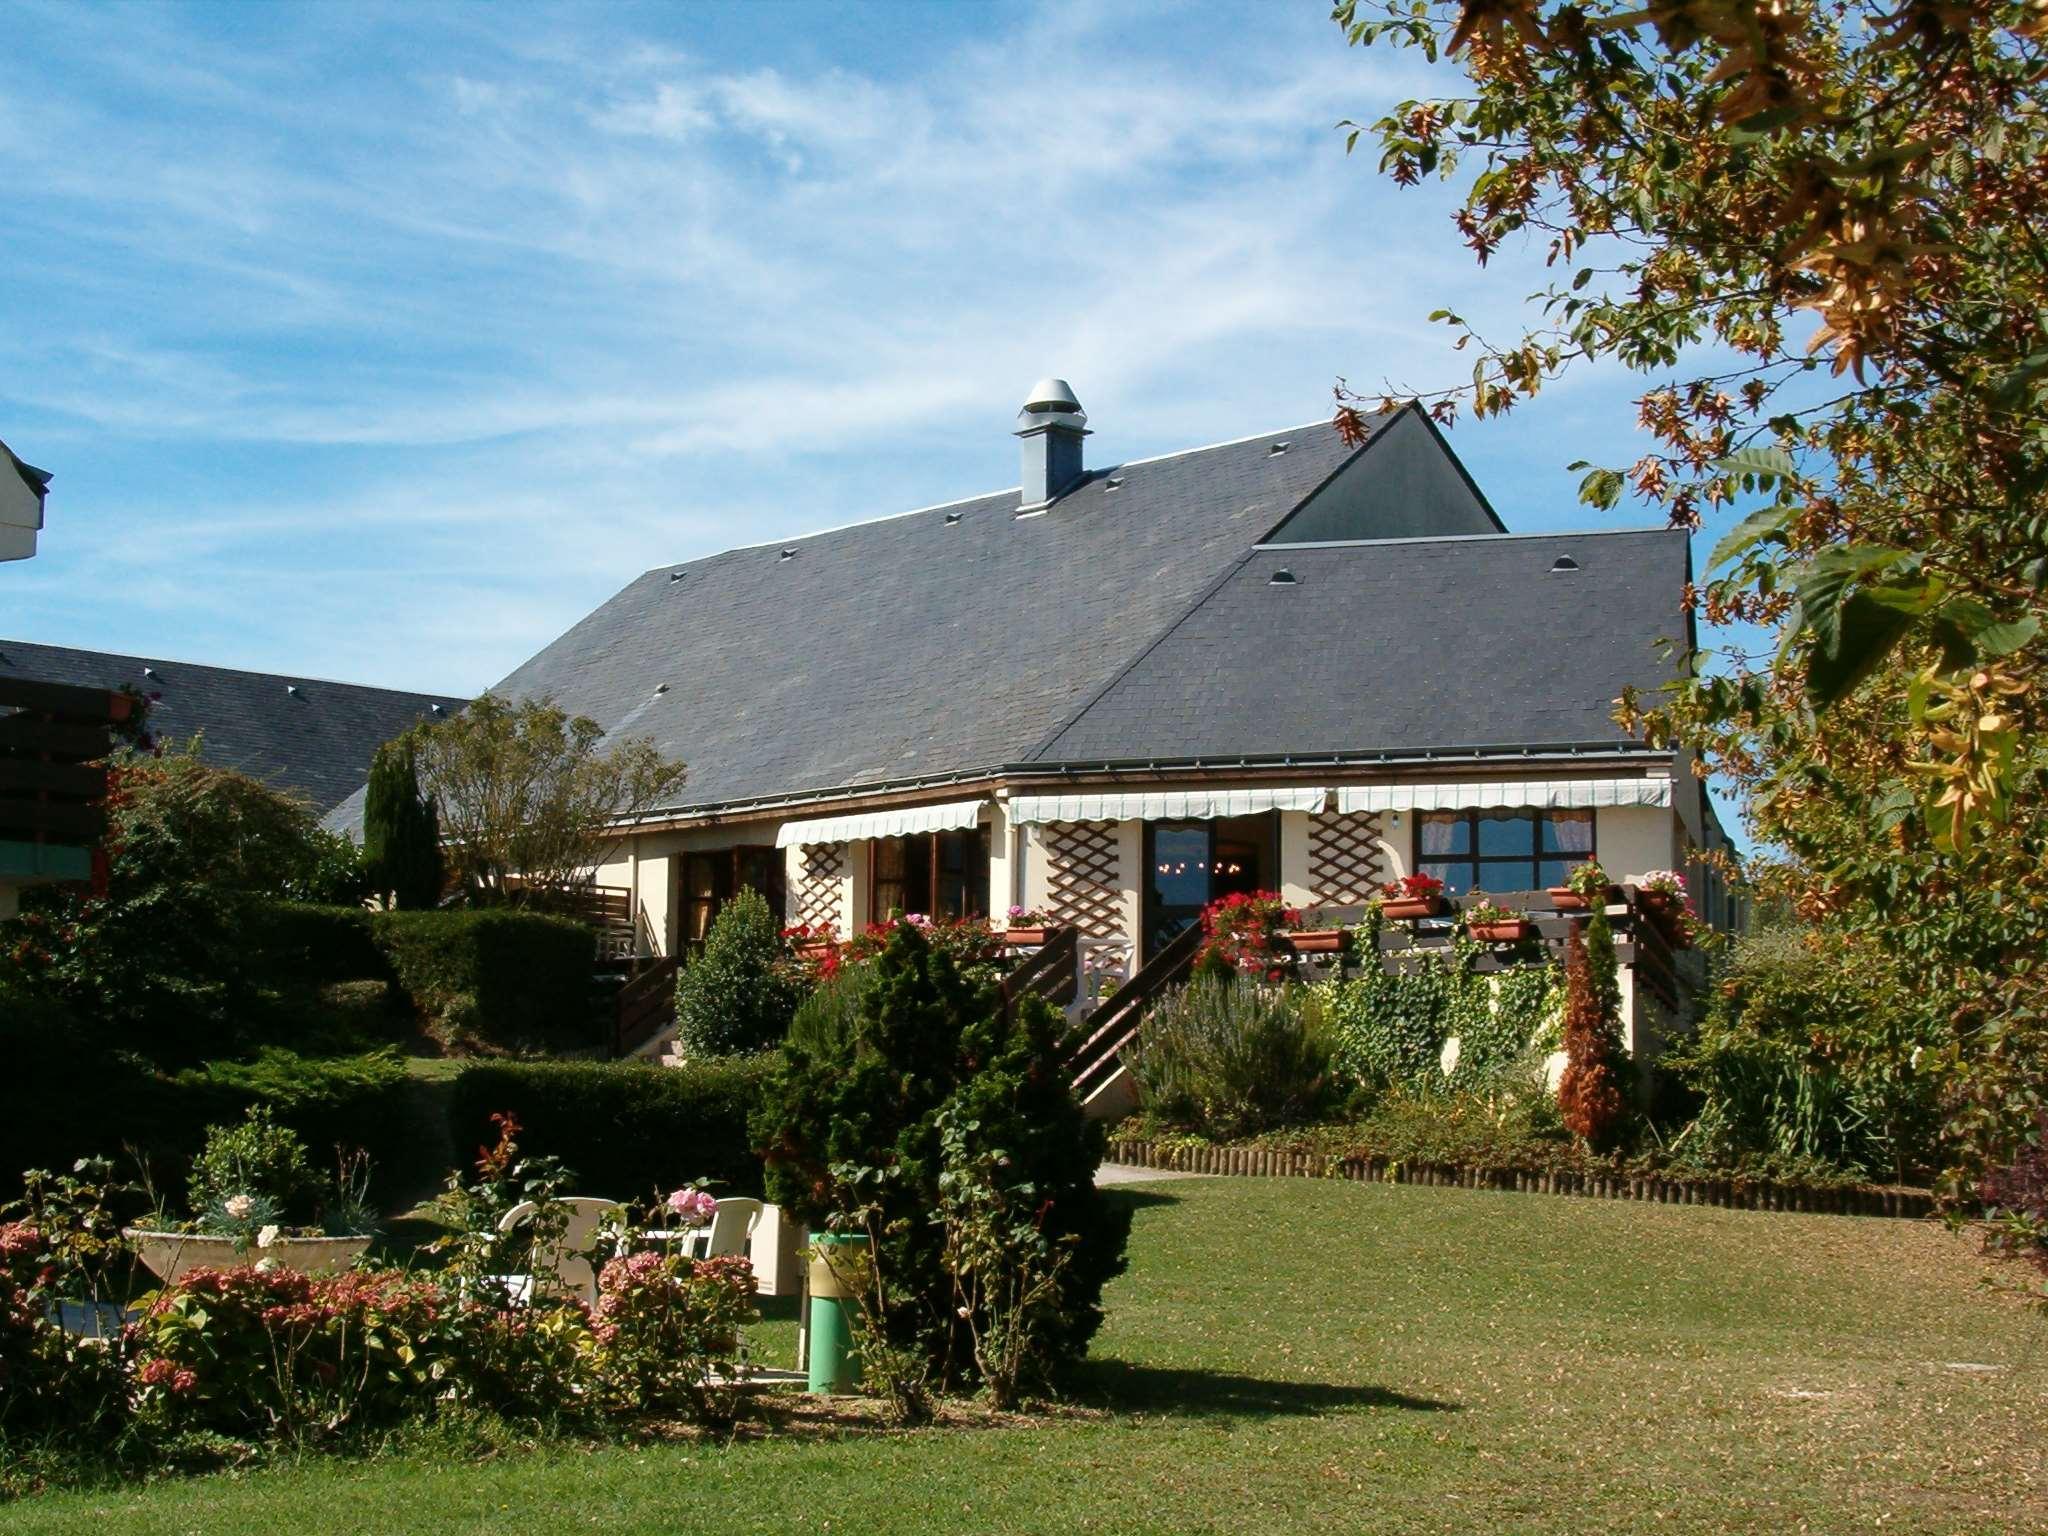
1291, 1355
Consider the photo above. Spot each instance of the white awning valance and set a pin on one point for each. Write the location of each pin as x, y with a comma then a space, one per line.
905, 819
1552, 794
1164, 805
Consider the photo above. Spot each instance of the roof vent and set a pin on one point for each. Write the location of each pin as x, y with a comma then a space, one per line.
1051, 426
292, 689
1278, 448
952, 519
674, 577
435, 709
149, 671
1282, 578
661, 687
1564, 563
787, 554
1113, 483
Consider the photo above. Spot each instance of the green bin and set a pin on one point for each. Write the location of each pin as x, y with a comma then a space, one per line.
833, 1364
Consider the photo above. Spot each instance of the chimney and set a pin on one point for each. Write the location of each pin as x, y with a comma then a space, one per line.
1051, 426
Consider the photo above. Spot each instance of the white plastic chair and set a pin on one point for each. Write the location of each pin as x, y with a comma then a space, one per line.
730, 1231
563, 1268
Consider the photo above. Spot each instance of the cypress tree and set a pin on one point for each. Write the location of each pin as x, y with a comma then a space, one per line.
401, 830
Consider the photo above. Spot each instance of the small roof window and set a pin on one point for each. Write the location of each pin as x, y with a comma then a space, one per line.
787, 554
1283, 578
1564, 563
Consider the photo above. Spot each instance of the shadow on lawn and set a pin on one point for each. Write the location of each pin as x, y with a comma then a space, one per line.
1127, 1388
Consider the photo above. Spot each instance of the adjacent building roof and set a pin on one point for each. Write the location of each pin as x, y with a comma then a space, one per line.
311, 737
1401, 646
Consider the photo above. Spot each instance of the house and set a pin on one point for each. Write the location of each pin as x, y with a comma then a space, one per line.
1118, 692
311, 738
23, 489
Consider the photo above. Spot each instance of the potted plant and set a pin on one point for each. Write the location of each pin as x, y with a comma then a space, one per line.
813, 942
1318, 937
1662, 896
1238, 933
249, 1183
1489, 923
1027, 927
1412, 896
1586, 884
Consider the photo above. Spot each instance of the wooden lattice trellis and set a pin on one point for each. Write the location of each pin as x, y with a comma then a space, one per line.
1081, 861
1345, 867
820, 869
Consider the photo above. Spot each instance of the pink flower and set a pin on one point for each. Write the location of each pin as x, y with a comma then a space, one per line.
694, 1207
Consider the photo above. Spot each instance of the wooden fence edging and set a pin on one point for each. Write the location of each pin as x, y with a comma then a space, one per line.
1657, 1189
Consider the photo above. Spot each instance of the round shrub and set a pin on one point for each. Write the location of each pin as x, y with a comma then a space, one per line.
733, 997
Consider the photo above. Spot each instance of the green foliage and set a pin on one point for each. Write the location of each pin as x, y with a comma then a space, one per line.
1234, 1056
332, 873
853, 1140
734, 995
1392, 1025
670, 1326
527, 794
494, 979
256, 1157
625, 1127
1811, 1048
831, 1011
293, 943
401, 830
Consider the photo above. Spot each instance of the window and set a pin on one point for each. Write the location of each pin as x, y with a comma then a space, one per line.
1192, 863
1501, 850
940, 874
714, 876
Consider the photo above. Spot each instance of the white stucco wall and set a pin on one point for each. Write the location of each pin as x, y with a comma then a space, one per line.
1634, 839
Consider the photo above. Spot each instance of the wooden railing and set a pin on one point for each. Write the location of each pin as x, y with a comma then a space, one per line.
1114, 1025
1051, 971
645, 1006
52, 780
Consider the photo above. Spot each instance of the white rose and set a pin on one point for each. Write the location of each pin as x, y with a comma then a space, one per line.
238, 1207
266, 1236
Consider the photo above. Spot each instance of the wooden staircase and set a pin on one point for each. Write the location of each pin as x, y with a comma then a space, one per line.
645, 1007
1101, 1081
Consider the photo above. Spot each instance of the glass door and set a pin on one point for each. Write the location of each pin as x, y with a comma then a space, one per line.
1189, 864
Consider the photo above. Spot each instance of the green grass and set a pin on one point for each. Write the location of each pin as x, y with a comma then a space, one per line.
1291, 1355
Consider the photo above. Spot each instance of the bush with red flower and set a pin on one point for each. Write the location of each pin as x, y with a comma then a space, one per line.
1238, 935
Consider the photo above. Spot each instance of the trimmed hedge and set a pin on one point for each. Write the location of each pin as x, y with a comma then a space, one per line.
625, 1128
495, 979
294, 943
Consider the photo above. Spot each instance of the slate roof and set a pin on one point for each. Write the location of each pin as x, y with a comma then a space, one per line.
316, 742
1400, 646
963, 639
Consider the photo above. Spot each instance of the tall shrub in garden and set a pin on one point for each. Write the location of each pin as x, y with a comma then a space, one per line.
855, 1133
402, 829
1590, 1093
735, 996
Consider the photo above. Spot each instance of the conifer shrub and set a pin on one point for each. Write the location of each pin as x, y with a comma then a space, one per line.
735, 996
937, 1084
1590, 1094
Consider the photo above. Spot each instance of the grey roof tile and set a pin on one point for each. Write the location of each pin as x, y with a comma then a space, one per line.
316, 743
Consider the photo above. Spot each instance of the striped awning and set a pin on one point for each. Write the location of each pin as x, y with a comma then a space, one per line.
1551, 794
1164, 805
899, 822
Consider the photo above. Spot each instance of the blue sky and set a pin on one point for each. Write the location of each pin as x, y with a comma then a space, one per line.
382, 343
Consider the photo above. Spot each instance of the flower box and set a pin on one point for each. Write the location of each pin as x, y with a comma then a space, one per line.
1315, 941
815, 949
1509, 931
1020, 938
1411, 906
1667, 913
170, 1254
1565, 899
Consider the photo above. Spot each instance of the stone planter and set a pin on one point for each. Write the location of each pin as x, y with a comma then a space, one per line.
1512, 931
170, 1254
1026, 938
1411, 906
1315, 941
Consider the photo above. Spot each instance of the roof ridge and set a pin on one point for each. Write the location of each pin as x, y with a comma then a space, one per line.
1459, 538
1009, 490
288, 677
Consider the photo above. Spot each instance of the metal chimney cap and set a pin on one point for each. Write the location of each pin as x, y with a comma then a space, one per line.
1053, 395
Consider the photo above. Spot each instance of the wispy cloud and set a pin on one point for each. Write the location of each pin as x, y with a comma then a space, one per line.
397, 338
